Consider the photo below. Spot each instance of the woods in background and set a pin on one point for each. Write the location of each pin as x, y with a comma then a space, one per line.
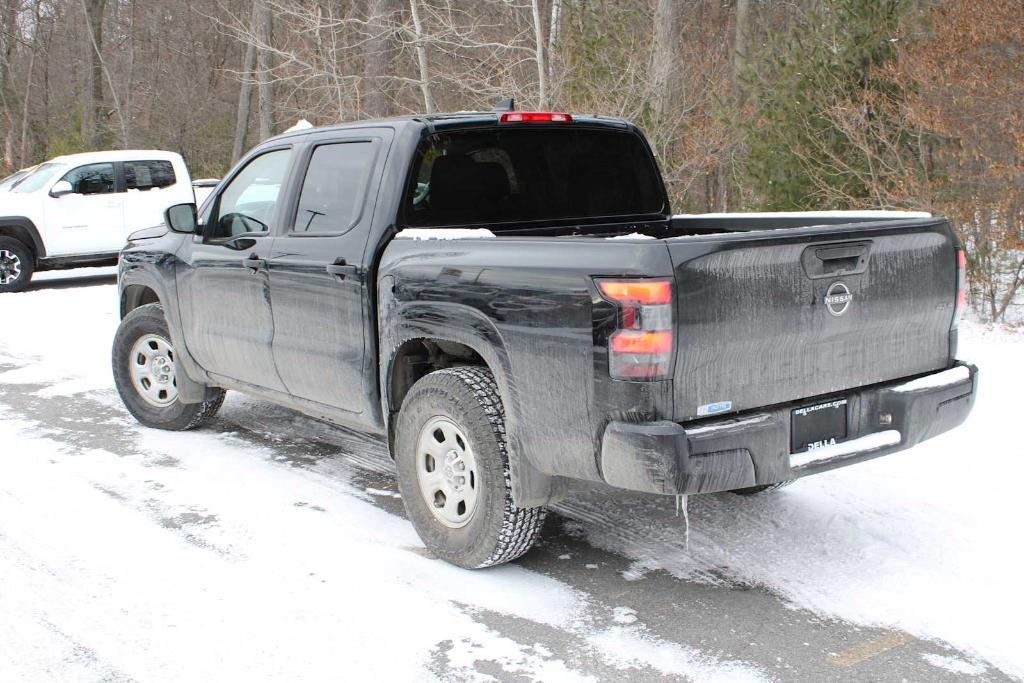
750, 104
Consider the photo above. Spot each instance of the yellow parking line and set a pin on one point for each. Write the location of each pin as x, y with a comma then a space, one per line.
870, 648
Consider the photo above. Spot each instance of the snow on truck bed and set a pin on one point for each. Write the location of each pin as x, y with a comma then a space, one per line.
248, 551
811, 214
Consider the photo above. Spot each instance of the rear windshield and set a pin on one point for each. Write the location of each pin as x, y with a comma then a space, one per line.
525, 174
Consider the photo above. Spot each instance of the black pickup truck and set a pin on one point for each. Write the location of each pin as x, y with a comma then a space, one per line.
507, 299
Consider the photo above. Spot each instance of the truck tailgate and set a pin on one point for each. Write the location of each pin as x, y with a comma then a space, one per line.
775, 316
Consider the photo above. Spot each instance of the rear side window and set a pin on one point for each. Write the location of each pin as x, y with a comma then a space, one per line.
520, 174
91, 179
146, 175
334, 189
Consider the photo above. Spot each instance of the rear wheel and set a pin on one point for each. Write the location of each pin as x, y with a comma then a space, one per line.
145, 374
454, 474
16, 265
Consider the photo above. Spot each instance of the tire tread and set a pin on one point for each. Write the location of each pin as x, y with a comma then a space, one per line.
520, 527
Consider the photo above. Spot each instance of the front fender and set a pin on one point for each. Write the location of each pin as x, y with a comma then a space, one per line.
155, 271
23, 229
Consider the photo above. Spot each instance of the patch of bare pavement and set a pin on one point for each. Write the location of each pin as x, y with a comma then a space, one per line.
717, 616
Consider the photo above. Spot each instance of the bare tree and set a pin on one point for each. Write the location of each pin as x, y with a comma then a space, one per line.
244, 95
664, 58
378, 52
421, 57
23, 156
542, 72
264, 31
92, 93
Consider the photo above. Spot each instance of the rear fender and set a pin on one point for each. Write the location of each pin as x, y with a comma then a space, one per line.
451, 322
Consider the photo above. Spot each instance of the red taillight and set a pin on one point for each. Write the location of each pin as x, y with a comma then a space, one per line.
637, 291
642, 345
628, 341
961, 287
535, 117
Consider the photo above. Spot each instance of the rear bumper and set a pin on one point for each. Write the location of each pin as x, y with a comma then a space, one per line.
752, 448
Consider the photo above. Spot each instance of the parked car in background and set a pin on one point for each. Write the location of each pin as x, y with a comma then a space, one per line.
77, 210
203, 188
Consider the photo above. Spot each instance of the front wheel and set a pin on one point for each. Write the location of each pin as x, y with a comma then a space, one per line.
453, 470
16, 265
145, 374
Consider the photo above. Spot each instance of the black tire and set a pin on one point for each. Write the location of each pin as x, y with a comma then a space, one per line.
145, 321
16, 262
497, 530
763, 488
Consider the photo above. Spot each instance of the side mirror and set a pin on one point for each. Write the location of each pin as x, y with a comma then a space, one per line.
182, 218
61, 188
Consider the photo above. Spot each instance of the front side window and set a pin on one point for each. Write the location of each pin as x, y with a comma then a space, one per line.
146, 175
334, 187
91, 179
247, 203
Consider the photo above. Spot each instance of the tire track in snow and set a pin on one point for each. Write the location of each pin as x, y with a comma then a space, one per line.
357, 463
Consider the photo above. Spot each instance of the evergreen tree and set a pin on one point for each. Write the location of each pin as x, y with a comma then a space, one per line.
822, 103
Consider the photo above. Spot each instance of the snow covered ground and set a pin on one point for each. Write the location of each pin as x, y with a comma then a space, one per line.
271, 546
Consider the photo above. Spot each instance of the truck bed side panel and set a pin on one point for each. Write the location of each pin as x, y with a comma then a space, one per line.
539, 296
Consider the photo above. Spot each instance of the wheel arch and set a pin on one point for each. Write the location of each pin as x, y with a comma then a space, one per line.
139, 288
135, 295
24, 230
429, 336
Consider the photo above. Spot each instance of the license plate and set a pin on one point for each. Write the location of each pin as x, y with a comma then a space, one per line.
819, 425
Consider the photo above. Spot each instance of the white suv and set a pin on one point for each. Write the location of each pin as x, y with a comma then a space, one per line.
78, 210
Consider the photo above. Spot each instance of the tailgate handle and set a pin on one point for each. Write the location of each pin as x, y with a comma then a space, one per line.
837, 258
843, 258
840, 253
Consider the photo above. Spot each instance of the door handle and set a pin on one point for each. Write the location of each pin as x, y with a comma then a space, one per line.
340, 269
840, 253
254, 263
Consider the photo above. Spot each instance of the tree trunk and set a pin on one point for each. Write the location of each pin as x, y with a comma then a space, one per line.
378, 52
740, 45
23, 156
92, 93
554, 28
244, 98
264, 33
421, 57
8, 31
664, 60
542, 71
